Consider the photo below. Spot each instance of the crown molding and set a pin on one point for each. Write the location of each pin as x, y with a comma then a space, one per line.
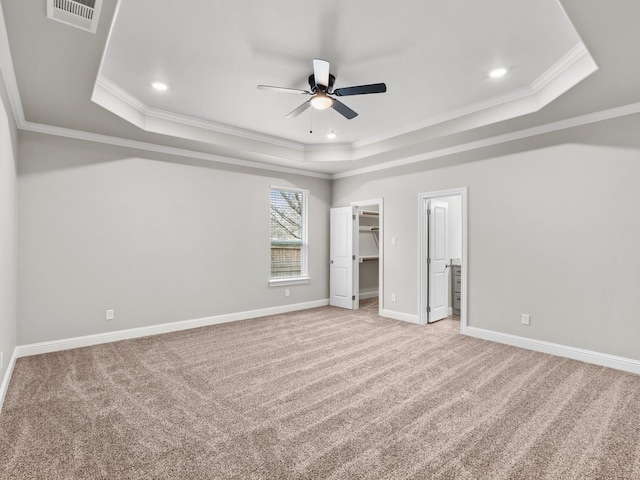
578, 121
566, 72
9, 74
153, 147
147, 112
573, 56
565, 64
569, 70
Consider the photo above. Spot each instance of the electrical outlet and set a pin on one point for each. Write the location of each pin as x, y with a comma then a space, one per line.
286, 292
109, 315
525, 319
394, 298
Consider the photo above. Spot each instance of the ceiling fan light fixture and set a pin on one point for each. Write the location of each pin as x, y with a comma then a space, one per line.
320, 101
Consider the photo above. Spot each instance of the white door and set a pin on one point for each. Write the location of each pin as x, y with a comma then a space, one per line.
342, 258
438, 291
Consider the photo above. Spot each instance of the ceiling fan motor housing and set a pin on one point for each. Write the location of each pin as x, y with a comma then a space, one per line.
321, 88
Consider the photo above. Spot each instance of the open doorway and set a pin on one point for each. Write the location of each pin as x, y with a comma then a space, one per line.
443, 256
356, 256
369, 254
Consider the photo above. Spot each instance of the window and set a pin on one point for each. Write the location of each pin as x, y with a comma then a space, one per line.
288, 236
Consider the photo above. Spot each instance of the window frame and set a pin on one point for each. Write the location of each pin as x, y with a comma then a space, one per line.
304, 250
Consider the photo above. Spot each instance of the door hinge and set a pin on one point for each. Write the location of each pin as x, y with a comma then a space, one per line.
353, 297
428, 261
353, 217
353, 257
428, 211
428, 309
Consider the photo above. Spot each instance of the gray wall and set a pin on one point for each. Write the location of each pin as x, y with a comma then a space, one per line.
8, 232
156, 238
554, 231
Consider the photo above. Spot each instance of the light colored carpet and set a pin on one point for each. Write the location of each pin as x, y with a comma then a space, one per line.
323, 393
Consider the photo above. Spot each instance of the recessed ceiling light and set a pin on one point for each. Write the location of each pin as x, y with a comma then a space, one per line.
331, 135
160, 86
498, 72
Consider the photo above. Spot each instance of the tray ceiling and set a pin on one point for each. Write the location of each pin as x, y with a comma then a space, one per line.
435, 58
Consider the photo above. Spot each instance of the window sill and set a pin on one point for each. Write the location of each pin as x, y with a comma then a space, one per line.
276, 282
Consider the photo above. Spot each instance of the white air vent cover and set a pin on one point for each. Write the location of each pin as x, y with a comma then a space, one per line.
77, 13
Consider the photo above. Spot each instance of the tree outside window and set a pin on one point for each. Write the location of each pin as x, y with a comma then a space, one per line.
288, 233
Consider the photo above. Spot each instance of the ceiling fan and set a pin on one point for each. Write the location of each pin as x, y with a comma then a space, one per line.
322, 92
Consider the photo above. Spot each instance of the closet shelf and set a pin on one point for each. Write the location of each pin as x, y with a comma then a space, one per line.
369, 213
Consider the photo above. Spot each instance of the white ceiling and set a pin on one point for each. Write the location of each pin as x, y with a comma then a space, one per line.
433, 56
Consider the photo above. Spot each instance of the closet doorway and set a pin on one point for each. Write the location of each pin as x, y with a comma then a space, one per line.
356, 255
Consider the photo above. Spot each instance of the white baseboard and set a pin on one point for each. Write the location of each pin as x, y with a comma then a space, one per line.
365, 295
588, 356
107, 337
405, 317
4, 386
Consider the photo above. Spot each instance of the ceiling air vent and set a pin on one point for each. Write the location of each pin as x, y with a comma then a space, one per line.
81, 14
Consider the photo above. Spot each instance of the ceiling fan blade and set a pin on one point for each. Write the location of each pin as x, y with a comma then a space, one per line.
284, 89
361, 90
343, 110
299, 110
321, 72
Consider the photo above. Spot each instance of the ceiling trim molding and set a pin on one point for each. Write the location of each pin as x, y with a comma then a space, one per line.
578, 121
570, 69
569, 59
120, 93
9, 74
149, 112
564, 64
153, 147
